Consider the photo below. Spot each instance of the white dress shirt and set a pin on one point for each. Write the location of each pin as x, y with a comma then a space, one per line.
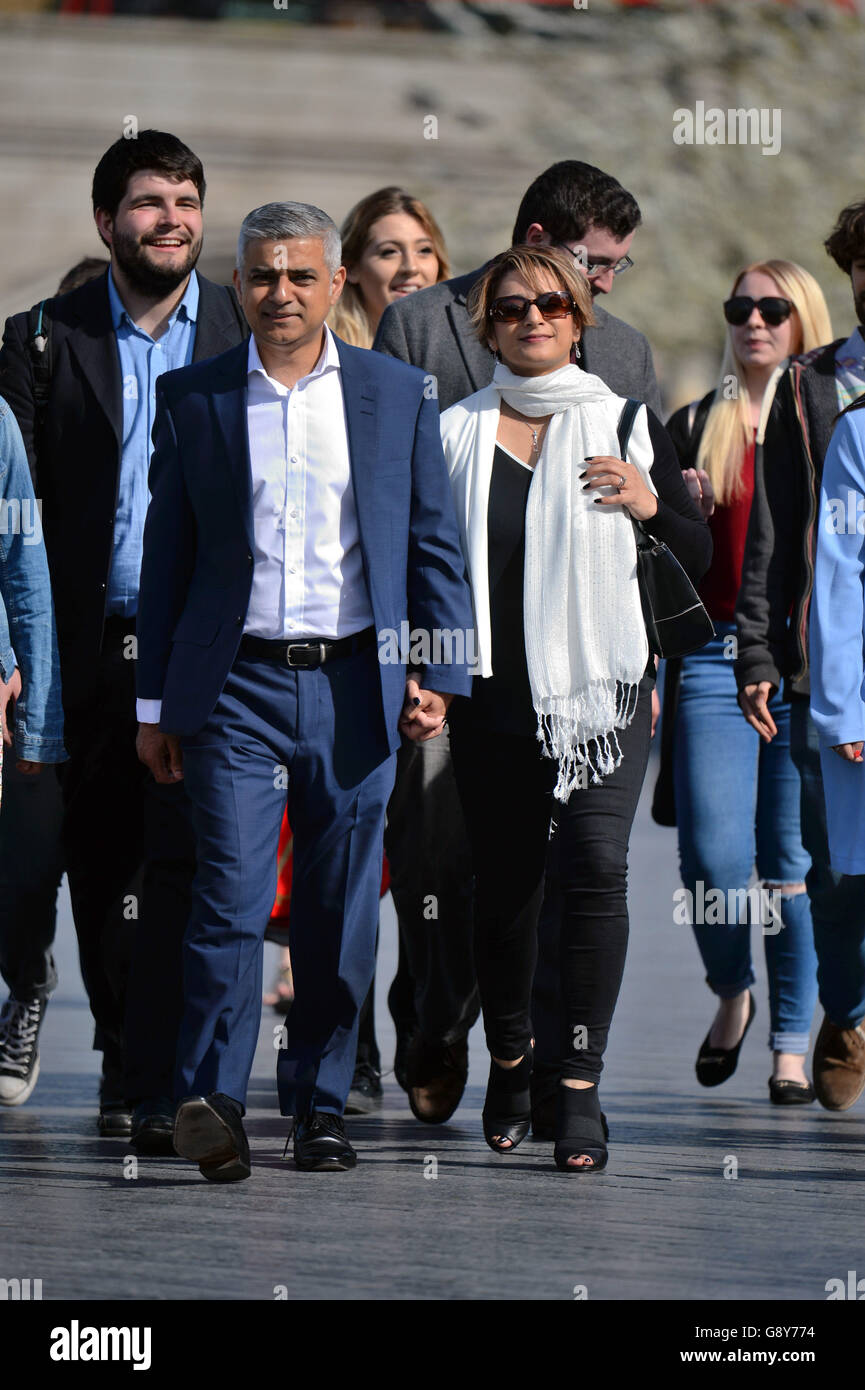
308, 579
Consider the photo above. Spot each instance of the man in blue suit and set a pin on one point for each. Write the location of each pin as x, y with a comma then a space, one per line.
300, 517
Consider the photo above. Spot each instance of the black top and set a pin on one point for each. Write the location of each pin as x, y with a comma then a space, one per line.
506, 695
503, 701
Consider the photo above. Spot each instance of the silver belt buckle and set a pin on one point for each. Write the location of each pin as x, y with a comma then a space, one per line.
305, 645
289, 662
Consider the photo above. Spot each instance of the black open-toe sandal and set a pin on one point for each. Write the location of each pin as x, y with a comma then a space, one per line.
581, 1130
507, 1112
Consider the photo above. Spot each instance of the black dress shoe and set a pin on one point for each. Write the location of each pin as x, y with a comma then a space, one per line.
115, 1119
208, 1130
365, 1094
320, 1144
153, 1127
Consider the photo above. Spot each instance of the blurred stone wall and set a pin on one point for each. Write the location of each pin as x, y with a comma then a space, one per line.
465, 121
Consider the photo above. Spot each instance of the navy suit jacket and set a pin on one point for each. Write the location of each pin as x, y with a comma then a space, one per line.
197, 570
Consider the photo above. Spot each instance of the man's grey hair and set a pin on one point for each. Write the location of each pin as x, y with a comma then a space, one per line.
285, 221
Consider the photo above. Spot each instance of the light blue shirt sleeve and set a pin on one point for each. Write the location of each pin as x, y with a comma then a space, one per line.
837, 623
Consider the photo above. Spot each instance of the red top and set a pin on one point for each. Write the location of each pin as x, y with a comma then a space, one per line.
729, 526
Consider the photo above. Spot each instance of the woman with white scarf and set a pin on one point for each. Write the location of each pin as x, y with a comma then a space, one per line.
555, 738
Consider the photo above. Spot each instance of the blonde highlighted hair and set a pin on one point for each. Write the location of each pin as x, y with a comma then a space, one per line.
535, 264
728, 430
348, 318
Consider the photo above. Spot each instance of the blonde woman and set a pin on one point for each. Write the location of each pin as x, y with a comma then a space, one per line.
391, 247
737, 798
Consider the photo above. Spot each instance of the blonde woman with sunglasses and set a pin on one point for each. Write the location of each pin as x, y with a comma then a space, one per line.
737, 798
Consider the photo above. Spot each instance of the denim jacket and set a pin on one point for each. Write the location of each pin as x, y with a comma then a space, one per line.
28, 637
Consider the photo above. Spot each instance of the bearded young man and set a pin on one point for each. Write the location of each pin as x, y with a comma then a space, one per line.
129, 844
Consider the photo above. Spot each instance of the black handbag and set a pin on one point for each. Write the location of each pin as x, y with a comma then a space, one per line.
676, 621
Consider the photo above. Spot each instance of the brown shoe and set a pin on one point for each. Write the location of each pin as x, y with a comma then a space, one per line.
839, 1065
436, 1077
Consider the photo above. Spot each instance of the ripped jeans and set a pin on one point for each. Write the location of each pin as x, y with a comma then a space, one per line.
737, 806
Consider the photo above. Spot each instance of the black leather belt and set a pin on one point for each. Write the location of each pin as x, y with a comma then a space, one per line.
307, 655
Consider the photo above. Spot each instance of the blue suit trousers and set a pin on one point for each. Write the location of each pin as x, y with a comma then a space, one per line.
314, 741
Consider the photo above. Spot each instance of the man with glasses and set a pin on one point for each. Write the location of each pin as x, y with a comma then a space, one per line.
588, 213
571, 205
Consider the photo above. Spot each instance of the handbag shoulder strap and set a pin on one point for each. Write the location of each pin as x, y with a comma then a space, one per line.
623, 431
626, 424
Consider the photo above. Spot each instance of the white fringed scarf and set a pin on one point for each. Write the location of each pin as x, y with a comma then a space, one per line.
586, 645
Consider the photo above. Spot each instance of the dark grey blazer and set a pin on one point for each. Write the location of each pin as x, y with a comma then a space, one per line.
431, 330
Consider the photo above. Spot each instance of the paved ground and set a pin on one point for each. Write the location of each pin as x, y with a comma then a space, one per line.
662, 1222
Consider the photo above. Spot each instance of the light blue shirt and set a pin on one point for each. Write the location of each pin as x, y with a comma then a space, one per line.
142, 362
836, 640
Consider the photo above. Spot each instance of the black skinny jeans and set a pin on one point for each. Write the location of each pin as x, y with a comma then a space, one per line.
506, 784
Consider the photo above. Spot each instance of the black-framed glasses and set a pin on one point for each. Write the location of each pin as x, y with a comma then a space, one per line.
553, 304
592, 269
773, 309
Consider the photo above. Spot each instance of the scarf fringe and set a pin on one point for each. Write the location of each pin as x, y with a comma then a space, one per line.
580, 733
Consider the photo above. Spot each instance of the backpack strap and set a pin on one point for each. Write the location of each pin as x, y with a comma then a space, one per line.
39, 346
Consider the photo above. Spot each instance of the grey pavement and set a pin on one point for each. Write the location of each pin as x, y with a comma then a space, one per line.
661, 1222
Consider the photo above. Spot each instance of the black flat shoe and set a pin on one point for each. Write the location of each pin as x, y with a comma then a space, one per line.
790, 1092
208, 1130
581, 1130
320, 1144
716, 1065
507, 1111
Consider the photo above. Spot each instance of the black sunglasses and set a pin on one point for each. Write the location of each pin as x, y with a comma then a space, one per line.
773, 309
554, 304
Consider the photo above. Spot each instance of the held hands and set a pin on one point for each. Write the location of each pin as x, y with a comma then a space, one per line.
701, 490
754, 704
423, 714
160, 752
602, 470
850, 752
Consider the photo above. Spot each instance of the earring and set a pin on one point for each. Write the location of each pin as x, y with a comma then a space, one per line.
498, 355
575, 353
